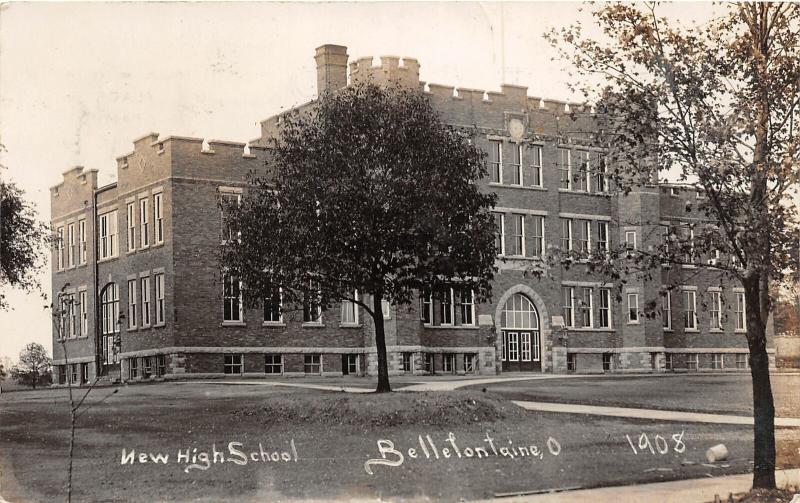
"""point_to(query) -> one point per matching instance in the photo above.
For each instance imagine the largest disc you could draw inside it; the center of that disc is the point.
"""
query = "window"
(689, 258)
(312, 310)
(601, 180)
(132, 318)
(693, 361)
(742, 361)
(386, 310)
(587, 308)
(108, 234)
(517, 235)
(565, 168)
(449, 363)
(147, 367)
(668, 361)
(446, 307)
(408, 362)
(109, 309)
(466, 307)
(159, 299)
(666, 311)
(430, 366)
(84, 310)
(145, 284)
(231, 299)
(717, 361)
(84, 373)
(630, 240)
(537, 239)
(515, 165)
(525, 346)
(82, 240)
(608, 361)
(715, 310)
(272, 307)
(144, 222)
(131, 227)
(233, 365)
(229, 200)
(349, 314)
(602, 236)
(469, 363)
(313, 364)
(582, 179)
(134, 368)
(426, 307)
(605, 308)
(567, 296)
(495, 161)
(60, 248)
(71, 245)
(74, 326)
(689, 310)
(666, 257)
(513, 346)
(584, 236)
(62, 374)
(633, 308)
(350, 364)
(73, 373)
(161, 365)
(536, 165)
(741, 321)
(500, 238)
(572, 362)
(159, 228)
(566, 234)
(273, 364)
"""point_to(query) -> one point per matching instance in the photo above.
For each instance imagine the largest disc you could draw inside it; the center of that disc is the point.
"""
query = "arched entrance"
(520, 335)
(110, 328)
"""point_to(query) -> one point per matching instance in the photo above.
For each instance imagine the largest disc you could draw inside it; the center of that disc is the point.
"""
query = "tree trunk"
(763, 406)
(380, 344)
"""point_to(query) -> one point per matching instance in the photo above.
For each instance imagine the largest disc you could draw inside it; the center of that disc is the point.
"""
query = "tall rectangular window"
(71, 245)
(144, 221)
(633, 308)
(74, 327)
(537, 237)
(515, 166)
(349, 314)
(426, 307)
(630, 240)
(565, 168)
(312, 309)
(466, 307)
(159, 222)
(568, 303)
(602, 236)
(536, 165)
(159, 278)
(715, 310)
(666, 311)
(741, 321)
(605, 308)
(513, 346)
(587, 308)
(601, 180)
(84, 308)
(82, 240)
(272, 307)
(582, 178)
(60, 248)
(500, 237)
(229, 200)
(231, 299)
(525, 346)
(689, 310)
(584, 236)
(132, 317)
(108, 234)
(566, 234)
(145, 284)
(517, 235)
(495, 161)
(131, 227)
(446, 307)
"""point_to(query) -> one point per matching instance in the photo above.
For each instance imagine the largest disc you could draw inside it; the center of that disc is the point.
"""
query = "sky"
(80, 81)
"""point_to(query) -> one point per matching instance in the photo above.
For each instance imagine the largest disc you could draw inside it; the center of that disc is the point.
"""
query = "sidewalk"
(680, 491)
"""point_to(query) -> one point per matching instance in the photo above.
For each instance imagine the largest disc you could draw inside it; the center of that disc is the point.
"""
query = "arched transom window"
(519, 312)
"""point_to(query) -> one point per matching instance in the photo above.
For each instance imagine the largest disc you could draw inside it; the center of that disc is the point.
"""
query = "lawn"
(316, 444)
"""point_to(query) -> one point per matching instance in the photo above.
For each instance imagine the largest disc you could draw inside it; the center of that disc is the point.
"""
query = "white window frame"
(144, 284)
(585, 227)
(498, 163)
(537, 236)
(602, 230)
(312, 363)
(463, 305)
(469, 363)
(502, 226)
(447, 308)
(601, 180)
(236, 318)
(71, 245)
(666, 311)
(690, 310)
(131, 227)
(517, 147)
(133, 289)
(693, 361)
(233, 365)
(352, 307)
(536, 164)
(715, 310)
(604, 305)
(160, 304)
(587, 308)
(519, 239)
(426, 307)
(279, 321)
(279, 365)
(144, 223)
(82, 240)
(108, 246)
(225, 194)
(569, 237)
(513, 346)
(633, 309)
(60, 248)
(159, 218)
(583, 171)
(313, 307)
(568, 168)
(569, 321)
(525, 346)
(630, 240)
(741, 312)
(84, 309)
(717, 361)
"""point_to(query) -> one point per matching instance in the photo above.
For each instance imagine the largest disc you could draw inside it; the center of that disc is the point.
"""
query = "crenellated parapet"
(392, 69)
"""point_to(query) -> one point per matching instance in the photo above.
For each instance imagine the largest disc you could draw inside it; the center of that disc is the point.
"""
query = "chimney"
(331, 67)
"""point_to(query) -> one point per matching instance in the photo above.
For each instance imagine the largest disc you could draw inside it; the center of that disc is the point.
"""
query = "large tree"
(715, 106)
(369, 192)
(34, 366)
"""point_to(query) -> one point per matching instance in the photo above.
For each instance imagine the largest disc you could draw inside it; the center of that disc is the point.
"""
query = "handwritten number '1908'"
(658, 444)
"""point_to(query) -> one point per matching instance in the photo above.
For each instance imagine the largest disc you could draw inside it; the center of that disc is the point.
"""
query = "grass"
(333, 434)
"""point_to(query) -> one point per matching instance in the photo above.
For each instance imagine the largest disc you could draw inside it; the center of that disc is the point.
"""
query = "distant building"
(139, 260)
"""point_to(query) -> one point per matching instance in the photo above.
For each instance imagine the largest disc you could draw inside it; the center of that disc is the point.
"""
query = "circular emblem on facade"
(516, 129)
